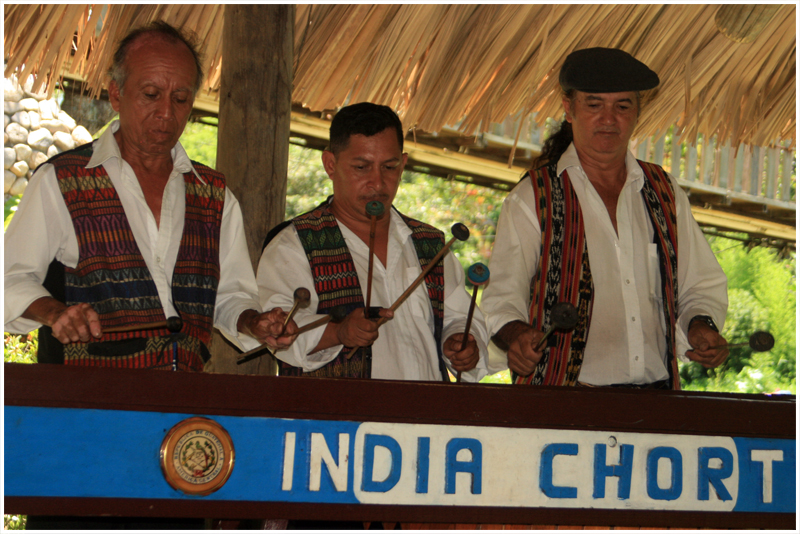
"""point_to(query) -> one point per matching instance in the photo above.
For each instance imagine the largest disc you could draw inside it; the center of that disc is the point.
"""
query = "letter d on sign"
(396, 454)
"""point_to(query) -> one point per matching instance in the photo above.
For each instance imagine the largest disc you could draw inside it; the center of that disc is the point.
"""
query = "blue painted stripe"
(109, 453)
(751, 475)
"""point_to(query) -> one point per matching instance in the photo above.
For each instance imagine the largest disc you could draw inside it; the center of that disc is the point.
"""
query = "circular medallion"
(197, 456)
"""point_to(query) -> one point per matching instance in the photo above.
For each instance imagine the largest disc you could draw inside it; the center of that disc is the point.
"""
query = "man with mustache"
(128, 231)
(326, 251)
(613, 236)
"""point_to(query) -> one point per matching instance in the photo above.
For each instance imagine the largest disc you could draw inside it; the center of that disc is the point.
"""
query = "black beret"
(605, 70)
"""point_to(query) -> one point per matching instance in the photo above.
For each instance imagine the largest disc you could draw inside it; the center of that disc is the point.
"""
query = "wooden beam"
(253, 137)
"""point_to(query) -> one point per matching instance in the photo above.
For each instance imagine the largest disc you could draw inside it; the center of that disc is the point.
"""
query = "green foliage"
(761, 296)
(200, 142)
(14, 522)
(9, 208)
(20, 348)
(308, 185)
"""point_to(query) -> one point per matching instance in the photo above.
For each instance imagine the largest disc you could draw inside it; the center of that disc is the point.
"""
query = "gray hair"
(119, 71)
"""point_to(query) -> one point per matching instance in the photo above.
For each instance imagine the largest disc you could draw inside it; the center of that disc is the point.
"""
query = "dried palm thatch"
(726, 70)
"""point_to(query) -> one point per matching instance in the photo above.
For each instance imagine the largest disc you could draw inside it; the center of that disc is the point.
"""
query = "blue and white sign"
(107, 453)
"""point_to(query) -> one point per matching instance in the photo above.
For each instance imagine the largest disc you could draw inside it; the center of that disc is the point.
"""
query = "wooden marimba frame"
(86, 441)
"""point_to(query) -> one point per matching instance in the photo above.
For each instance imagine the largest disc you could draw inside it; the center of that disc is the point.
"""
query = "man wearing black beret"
(613, 236)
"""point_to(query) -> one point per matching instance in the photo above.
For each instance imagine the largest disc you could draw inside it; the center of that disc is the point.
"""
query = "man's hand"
(358, 331)
(462, 360)
(77, 323)
(702, 338)
(520, 338)
(266, 328)
(70, 324)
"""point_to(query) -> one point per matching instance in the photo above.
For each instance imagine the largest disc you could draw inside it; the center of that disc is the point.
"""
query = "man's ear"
(567, 108)
(113, 95)
(329, 162)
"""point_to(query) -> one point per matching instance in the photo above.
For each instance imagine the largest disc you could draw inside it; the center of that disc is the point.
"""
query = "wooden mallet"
(375, 211)
(563, 316)
(461, 233)
(302, 298)
(173, 324)
(337, 315)
(478, 275)
(759, 342)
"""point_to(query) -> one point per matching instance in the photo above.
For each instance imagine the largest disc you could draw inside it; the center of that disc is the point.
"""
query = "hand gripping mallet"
(302, 298)
(375, 211)
(759, 342)
(337, 315)
(461, 233)
(173, 324)
(478, 275)
(563, 316)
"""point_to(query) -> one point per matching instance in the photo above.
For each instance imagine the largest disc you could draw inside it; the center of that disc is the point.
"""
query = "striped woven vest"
(336, 284)
(564, 272)
(112, 276)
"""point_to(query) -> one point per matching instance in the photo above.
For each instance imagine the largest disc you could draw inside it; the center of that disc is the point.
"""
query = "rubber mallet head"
(759, 342)
(460, 231)
(563, 316)
(375, 208)
(174, 324)
(478, 274)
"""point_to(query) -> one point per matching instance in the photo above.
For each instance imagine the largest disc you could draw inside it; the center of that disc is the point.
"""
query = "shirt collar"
(399, 226)
(569, 159)
(106, 149)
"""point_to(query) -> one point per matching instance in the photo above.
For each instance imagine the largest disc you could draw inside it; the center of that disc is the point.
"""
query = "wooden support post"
(253, 145)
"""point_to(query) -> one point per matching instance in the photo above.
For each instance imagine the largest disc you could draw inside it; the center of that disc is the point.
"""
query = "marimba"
(92, 441)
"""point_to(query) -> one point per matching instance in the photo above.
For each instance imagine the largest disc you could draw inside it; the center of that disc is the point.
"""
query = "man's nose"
(165, 109)
(375, 178)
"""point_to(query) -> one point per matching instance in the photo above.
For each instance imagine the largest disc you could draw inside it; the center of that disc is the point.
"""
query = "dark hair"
(119, 71)
(555, 146)
(558, 142)
(364, 118)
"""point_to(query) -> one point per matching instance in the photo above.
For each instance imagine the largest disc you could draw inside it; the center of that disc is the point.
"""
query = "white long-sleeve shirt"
(405, 348)
(626, 341)
(42, 230)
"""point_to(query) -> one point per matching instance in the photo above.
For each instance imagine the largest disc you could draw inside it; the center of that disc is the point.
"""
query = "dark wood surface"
(408, 402)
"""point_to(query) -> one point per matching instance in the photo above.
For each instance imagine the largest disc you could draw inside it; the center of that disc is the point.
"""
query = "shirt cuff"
(15, 307)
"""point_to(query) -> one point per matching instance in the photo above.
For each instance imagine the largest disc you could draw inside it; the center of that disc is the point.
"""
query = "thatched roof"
(471, 65)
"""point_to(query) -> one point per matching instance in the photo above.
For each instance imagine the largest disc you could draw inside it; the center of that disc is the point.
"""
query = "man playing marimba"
(612, 236)
(326, 250)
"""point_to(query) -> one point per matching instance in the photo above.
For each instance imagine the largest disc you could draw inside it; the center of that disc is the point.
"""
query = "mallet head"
(478, 274)
(460, 231)
(563, 315)
(338, 314)
(761, 341)
(302, 297)
(375, 208)
(174, 324)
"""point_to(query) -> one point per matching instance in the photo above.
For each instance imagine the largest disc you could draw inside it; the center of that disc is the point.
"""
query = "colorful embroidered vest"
(565, 275)
(112, 276)
(336, 284)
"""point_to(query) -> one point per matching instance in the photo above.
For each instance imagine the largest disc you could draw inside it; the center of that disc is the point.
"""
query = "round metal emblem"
(197, 456)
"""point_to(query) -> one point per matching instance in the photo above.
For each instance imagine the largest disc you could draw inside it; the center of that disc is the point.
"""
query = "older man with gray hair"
(127, 231)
